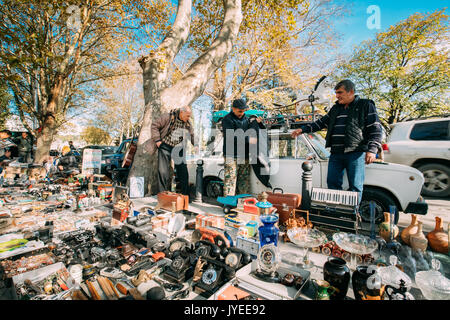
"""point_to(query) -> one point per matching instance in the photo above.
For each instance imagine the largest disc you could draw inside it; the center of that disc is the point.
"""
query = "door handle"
(221, 164)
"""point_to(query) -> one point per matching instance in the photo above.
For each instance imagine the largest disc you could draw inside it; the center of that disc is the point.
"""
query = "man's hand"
(158, 143)
(296, 133)
(258, 119)
(370, 157)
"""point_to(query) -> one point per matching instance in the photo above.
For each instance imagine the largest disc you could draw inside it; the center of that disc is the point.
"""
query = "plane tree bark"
(160, 97)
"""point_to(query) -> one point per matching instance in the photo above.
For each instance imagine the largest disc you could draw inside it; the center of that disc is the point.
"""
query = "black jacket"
(357, 137)
(363, 129)
(230, 121)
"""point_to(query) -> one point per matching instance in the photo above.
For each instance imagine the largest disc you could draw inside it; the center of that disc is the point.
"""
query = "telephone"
(205, 248)
(183, 264)
(176, 245)
(213, 275)
(236, 258)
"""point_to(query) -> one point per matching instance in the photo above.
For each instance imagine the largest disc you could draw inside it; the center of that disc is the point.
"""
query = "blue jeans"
(354, 163)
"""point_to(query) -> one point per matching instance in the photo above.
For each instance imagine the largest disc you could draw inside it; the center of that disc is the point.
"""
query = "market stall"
(87, 240)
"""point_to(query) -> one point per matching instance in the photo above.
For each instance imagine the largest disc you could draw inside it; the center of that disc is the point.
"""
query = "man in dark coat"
(25, 147)
(169, 137)
(236, 142)
(354, 135)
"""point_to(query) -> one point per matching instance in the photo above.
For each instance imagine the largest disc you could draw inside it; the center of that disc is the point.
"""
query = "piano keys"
(335, 209)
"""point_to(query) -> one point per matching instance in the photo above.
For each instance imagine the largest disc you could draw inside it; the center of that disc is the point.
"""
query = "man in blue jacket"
(354, 135)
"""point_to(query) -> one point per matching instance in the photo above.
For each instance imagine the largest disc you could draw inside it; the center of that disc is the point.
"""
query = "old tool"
(94, 294)
(128, 291)
(29, 284)
(104, 284)
(112, 287)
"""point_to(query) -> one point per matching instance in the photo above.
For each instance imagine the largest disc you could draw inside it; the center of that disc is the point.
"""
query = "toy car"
(231, 202)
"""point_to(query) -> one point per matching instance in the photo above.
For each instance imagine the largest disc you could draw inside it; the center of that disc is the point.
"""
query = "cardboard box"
(209, 220)
(233, 221)
(252, 227)
(160, 222)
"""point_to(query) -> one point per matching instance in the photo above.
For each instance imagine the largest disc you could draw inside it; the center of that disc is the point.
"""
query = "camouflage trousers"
(236, 175)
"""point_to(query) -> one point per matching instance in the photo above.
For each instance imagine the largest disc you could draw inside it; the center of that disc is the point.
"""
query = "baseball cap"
(240, 104)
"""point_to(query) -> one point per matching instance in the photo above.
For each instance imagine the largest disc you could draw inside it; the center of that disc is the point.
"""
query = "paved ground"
(437, 207)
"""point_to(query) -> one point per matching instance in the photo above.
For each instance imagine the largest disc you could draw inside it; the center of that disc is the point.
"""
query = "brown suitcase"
(291, 200)
(166, 198)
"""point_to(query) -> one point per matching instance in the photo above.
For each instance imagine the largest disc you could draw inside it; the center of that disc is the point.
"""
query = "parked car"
(106, 152)
(386, 183)
(114, 160)
(424, 145)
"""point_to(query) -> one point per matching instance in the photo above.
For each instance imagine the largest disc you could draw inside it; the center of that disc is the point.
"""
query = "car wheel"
(382, 201)
(437, 180)
(213, 188)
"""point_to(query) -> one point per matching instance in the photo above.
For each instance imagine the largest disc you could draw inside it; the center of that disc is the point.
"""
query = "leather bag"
(291, 200)
(166, 198)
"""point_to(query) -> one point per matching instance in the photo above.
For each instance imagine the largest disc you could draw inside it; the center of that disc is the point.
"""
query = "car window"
(282, 148)
(436, 130)
(302, 149)
(285, 147)
(318, 144)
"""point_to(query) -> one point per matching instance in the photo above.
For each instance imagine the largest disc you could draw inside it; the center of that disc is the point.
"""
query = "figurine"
(400, 293)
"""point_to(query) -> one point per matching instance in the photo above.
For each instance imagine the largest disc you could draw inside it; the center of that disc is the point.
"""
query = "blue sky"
(354, 27)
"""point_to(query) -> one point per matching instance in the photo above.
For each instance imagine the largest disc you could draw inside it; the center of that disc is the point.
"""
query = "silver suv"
(425, 145)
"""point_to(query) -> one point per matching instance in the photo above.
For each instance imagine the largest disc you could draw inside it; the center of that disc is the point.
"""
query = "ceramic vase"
(359, 285)
(418, 241)
(337, 274)
(268, 232)
(385, 228)
(409, 230)
(438, 239)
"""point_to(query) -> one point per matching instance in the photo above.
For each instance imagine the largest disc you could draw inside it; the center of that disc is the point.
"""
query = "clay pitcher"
(409, 230)
(437, 238)
(385, 228)
(418, 240)
(323, 290)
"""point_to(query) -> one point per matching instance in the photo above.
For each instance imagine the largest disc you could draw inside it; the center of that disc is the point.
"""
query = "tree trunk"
(159, 98)
(48, 127)
(44, 140)
(219, 90)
